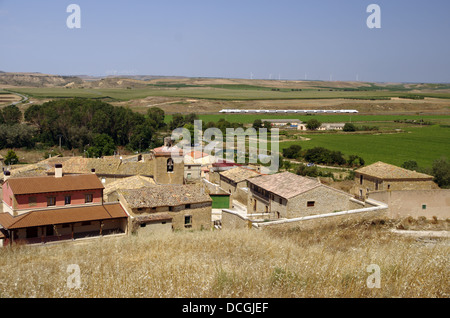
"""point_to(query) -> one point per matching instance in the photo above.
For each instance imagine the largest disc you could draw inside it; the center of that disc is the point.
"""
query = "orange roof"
(46, 184)
(197, 154)
(63, 215)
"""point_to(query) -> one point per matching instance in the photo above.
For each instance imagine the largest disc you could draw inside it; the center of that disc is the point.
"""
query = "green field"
(250, 118)
(215, 92)
(422, 144)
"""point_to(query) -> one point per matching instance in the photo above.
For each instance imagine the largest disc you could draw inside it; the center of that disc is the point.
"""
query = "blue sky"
(227, 38)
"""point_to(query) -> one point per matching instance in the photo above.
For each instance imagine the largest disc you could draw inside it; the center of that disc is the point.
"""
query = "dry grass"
(307, 261)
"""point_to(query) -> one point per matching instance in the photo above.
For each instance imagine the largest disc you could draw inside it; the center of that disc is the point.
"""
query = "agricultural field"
(218, 92)
(421, 144)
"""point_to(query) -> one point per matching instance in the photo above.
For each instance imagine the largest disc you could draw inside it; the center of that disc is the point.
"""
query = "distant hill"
(36, 79)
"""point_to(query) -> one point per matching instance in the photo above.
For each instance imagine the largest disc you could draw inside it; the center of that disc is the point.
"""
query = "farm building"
(287, 123)
(167, 207)
(331, 126)
(232, 179)
(63, 207)
(381, 176)
(287, 195)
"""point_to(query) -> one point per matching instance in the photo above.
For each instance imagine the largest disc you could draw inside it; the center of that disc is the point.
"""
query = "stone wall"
(370, 184)
(415, 203)
(322, 200)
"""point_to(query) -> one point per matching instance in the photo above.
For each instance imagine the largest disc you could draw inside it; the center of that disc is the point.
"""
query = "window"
(88, 198)
(188, 221)
(32, 201)
(187, 206)
(360, 179)
(67, 199)
(170, 165)
(51, 201)
(424, 206)
(376, 185)
(310, 203)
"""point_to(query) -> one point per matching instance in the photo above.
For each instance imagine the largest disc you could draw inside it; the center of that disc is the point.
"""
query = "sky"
(283, 39)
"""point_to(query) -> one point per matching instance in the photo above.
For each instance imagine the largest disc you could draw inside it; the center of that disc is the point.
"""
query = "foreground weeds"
(311, 260)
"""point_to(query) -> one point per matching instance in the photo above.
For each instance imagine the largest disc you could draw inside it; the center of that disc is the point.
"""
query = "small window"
(51, 201)
(310, 203)
(143, 224)
(170, 165)
(188, 221)
(187, 206)
(360, 179)
(88, 198)
(424, 206)
(32, 201)
(67, 199)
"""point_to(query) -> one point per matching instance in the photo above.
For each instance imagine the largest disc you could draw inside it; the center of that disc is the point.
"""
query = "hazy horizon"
(288, 40)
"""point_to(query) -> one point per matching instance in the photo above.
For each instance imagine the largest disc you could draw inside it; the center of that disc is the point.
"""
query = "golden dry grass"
(329, 260)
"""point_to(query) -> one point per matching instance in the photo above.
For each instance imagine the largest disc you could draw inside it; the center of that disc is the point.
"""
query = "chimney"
(168, 142)
(58, 170)
(6, 175)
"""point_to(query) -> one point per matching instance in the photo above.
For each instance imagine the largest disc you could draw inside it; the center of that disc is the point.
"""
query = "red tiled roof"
(63, 215)
(46, 184)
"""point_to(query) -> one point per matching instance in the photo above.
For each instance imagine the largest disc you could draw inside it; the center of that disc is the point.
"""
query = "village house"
(331, 126)
(287, 123)
(232, 179)
(287, 195)
(381, 176)
(63, 207)
(167, 207)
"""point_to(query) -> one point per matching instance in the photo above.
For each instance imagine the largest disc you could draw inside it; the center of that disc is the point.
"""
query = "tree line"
(90, 125)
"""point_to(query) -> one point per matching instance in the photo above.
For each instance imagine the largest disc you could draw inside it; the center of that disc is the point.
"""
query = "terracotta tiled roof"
(387, 171)
(167, 151)
(134, 182)
(239, 174)
(165, 195)
(63, 215)
(51, 184)
(285, 184)
(106, 166)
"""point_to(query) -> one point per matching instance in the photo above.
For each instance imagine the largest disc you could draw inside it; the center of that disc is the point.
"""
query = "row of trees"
(93, 125)
(440, 169)
(320, 155)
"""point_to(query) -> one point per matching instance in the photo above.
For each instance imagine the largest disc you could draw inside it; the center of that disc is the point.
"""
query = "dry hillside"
(329, 260)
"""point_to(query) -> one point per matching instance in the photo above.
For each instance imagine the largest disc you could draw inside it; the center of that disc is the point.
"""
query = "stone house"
(287, 195)
(167, 207)
(381, 176)
(232, 179)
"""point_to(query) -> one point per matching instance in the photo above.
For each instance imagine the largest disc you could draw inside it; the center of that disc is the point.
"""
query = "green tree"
(292, 152)
(313, 124)
(12, 115)
(441, 172)
(11, 158)
(410, 165)
(304, 170)
(349, 127)
(157, 115)
(257, 124)
(103, 145)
